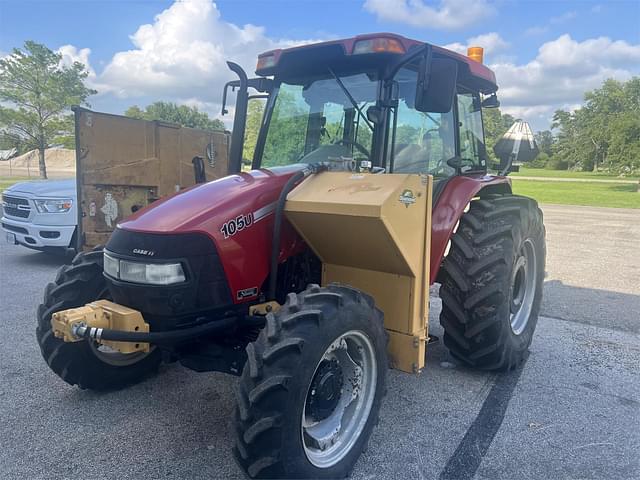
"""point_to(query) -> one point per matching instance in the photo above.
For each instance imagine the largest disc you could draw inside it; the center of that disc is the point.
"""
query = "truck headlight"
(139, 272)
(58, 205)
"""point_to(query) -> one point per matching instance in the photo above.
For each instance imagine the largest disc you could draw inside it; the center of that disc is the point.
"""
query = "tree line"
(603, 135)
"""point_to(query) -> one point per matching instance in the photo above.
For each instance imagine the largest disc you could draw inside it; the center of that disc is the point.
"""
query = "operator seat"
(414, 158)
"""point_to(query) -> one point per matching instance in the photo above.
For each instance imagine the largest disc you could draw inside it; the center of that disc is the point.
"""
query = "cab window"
(424, 141)
(471, 136)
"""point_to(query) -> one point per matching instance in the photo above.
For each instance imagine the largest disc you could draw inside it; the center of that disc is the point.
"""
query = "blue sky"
(546, 54)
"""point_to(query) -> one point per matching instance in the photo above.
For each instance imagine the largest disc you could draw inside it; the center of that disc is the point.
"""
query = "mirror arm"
(408, 58)
(505, 170)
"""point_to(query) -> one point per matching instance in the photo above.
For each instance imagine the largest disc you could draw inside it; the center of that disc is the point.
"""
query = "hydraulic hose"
(82, 331)
(277, 223)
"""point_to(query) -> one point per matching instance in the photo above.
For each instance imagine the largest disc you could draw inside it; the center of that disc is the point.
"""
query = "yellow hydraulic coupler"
(69, 325)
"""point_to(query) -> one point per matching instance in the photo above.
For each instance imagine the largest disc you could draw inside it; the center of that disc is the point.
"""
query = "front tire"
(491, 282)
(85, 363)
(311, 390)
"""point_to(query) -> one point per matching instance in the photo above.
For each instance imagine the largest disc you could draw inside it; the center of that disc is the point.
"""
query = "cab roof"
(304, 59)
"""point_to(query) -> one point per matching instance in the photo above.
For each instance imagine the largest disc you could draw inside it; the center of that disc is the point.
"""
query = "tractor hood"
(234, 213)
(206, 207)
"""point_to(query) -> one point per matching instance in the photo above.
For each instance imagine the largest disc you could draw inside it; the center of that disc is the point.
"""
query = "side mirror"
(491, 101)
(436, 85)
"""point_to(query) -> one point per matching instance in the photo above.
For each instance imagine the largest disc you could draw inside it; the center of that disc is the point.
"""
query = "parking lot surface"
(572, 412)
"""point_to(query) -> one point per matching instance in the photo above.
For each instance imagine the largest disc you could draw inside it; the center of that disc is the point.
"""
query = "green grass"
(6, 182)
(580, 193)
(544, 173)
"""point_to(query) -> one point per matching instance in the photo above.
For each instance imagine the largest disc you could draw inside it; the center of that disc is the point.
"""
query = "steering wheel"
(358, 146)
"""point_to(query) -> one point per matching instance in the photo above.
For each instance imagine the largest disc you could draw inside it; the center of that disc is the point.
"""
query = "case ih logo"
(139, 251)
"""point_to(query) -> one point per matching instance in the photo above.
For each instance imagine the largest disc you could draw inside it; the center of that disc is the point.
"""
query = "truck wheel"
(310, 393)
(86, 363)
(492, 282)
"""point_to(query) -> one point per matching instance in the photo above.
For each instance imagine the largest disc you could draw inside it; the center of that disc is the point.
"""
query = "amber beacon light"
(475, 53)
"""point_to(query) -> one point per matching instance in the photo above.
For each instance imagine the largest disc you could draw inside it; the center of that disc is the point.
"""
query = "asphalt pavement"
(572, 412)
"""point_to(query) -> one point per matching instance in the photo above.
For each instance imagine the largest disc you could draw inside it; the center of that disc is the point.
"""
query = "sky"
(546, 54)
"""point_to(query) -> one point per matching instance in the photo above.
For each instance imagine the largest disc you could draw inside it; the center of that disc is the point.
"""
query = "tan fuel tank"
(373, 232)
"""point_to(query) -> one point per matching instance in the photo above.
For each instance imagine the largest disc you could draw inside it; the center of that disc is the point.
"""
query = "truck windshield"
(317, 122)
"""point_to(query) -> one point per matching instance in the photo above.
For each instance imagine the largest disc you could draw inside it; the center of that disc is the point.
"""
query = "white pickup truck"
(41, 214)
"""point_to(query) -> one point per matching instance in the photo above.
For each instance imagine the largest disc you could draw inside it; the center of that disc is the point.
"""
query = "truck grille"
(15, 206)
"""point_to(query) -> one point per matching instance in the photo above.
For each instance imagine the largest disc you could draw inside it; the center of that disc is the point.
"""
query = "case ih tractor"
(309, 275)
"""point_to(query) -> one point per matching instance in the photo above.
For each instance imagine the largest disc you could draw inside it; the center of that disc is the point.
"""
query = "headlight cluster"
(138, 272)
(58, 205)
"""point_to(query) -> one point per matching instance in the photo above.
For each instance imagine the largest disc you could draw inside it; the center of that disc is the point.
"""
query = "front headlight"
(148, 273)
(58, 205)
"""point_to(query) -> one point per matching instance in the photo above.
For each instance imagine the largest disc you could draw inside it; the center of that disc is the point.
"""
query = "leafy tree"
(544, 140)
(39, 89)
(602, 134)
(496, 125)
(174, 113)
(254, 119)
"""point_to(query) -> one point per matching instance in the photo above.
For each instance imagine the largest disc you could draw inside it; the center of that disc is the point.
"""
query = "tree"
(544, 140)
(174, 113)
(603, 133)
(39, 90)
(496, 125)
(254, 119)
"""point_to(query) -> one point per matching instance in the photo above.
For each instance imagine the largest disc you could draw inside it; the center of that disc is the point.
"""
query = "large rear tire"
(85, 363)
(310, 393)
(491, 282)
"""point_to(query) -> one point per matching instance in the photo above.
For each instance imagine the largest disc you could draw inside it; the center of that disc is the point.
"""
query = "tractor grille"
(15, 206)
(167, 307)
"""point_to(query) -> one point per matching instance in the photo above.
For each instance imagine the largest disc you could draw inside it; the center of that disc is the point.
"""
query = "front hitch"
(124, 329)
(92, 320)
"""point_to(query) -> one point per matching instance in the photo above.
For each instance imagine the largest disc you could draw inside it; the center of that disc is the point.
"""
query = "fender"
(450, 206)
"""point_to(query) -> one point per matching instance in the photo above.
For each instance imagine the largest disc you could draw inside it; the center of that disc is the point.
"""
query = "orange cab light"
(378, 45)
(475, 53)
(266, 61)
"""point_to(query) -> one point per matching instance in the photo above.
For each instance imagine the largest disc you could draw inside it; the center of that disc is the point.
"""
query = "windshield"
(318, 122)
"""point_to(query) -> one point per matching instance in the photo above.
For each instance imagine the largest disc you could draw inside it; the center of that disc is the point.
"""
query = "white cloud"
(71, 54)
(491, 42)
(446, 15)
(561, 73)
(182, 55)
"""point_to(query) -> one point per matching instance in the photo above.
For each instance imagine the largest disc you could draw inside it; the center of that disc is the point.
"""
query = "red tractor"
(309, 275)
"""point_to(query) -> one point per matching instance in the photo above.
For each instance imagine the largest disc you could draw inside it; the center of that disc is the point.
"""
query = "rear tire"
(81, 363)
(491, 282)
(285, 395)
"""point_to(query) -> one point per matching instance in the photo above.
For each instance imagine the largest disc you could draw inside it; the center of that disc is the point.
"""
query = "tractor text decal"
(235, 225)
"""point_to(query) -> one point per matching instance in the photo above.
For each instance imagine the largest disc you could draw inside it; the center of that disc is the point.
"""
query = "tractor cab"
(380, 103)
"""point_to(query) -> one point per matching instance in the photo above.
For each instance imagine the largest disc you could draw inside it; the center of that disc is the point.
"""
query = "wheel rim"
(110, 356)
(523, 287)
(115, 358)
(339, 399)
